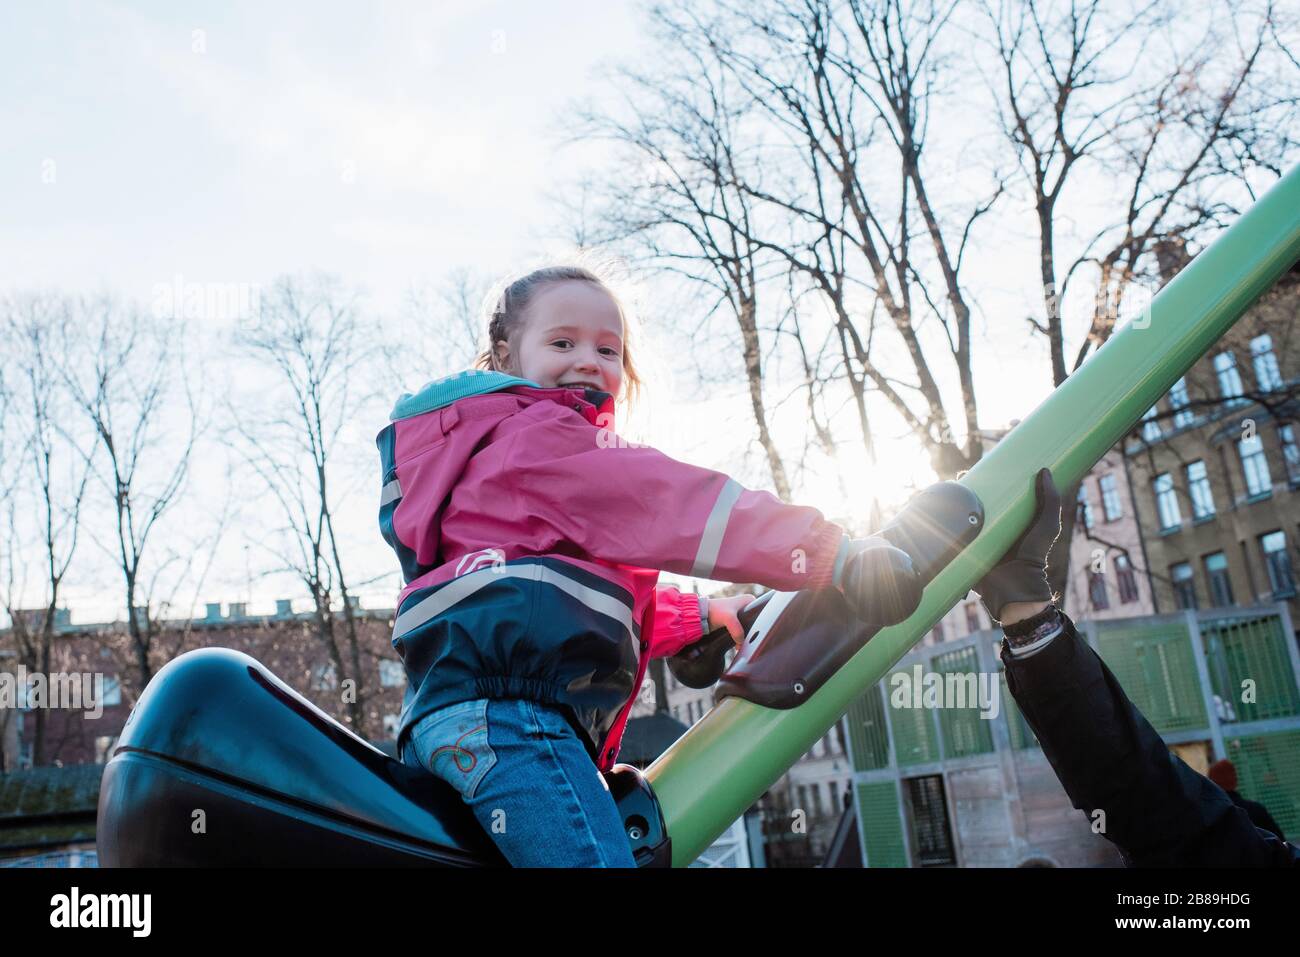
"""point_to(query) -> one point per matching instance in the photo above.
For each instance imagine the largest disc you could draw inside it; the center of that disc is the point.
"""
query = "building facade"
(1215, 468)
(288, 643)
(1108, 573)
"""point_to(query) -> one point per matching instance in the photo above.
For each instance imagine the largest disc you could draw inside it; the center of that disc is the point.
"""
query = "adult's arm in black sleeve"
(1158, 811)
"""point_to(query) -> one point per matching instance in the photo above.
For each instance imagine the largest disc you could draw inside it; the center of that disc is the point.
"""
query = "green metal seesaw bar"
(714, 772)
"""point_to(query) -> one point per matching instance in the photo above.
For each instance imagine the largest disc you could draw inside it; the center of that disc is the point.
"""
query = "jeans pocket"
(452, 744)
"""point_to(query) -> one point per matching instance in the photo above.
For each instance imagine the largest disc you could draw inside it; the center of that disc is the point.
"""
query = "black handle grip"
(701, 663)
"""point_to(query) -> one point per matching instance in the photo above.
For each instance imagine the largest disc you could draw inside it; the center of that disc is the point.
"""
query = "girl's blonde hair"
(507, 303)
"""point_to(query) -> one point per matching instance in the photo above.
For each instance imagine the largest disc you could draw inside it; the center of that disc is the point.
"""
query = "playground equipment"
(276, 781)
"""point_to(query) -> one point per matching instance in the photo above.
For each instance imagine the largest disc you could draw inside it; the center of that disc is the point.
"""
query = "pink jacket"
(493, 484)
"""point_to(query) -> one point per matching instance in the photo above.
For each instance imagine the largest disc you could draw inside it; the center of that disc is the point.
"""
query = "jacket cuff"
(829, 541)
(1037, 644)
(1040, 677)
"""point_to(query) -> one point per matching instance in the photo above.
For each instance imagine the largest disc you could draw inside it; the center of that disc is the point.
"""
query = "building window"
(1179, 402)
(1111, 506)
(1255, 466)
(1216, 570)
(1097, 590)
(392, 674)
(1225, 367)
(835, 796)
(1166, 502)
(1267, 373)
(1085, 507)
(1184, 585)
(1198, 483)
(1150, 427)
(936, 633)
(1290, 452)
(391, 722)
(972, 618)
(112, 691)
(1128, 589)
(931, 833)
(1278, 561)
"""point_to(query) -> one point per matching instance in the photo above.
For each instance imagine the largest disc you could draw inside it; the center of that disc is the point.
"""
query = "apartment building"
(1215, 468)
(1108, 573)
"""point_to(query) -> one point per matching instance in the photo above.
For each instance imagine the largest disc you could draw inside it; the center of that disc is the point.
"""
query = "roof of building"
(649, 736)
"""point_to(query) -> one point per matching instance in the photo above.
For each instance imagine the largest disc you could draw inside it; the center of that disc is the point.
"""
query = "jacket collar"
(461, 385)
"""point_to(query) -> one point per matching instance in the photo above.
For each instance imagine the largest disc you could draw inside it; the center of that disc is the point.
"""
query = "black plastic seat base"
(222, 764)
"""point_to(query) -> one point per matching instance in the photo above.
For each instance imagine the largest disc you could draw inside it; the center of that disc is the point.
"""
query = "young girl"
(530, 539)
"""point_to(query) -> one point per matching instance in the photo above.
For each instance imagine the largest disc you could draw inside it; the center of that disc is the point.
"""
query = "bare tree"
(1166, 123)
(126, 374)
(308, 336)
(801, 132)
(43, 486)
(445, 324)
(686, 214)
(833, 185)
(8, 484)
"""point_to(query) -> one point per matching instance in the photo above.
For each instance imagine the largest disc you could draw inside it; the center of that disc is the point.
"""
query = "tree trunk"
(754, 376)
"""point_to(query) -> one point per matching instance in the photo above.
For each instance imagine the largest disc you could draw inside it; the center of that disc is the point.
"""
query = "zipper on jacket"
(641, 669)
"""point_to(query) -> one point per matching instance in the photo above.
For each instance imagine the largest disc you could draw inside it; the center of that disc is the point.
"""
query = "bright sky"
(389, 143)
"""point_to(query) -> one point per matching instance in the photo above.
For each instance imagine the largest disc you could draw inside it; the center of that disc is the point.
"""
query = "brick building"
(1215, 468)
(286, 642)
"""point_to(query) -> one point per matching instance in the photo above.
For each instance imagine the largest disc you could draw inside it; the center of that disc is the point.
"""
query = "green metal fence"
(915, 740)
(882, 829)
(1268, 771)
(1018, 731)
(1157, 667)
(1249, 669)
(961, 729)
(868, 733)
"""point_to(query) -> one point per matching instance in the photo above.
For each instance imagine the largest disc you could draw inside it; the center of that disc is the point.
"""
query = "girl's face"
(571, 334)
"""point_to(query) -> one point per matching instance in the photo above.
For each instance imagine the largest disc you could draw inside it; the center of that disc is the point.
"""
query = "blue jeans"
(522, 770)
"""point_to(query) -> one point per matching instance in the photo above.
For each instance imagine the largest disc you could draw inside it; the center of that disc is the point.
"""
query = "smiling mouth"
(584, 385)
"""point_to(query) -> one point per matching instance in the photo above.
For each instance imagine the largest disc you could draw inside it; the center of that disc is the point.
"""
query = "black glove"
(880, 582)
(1021, 575)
